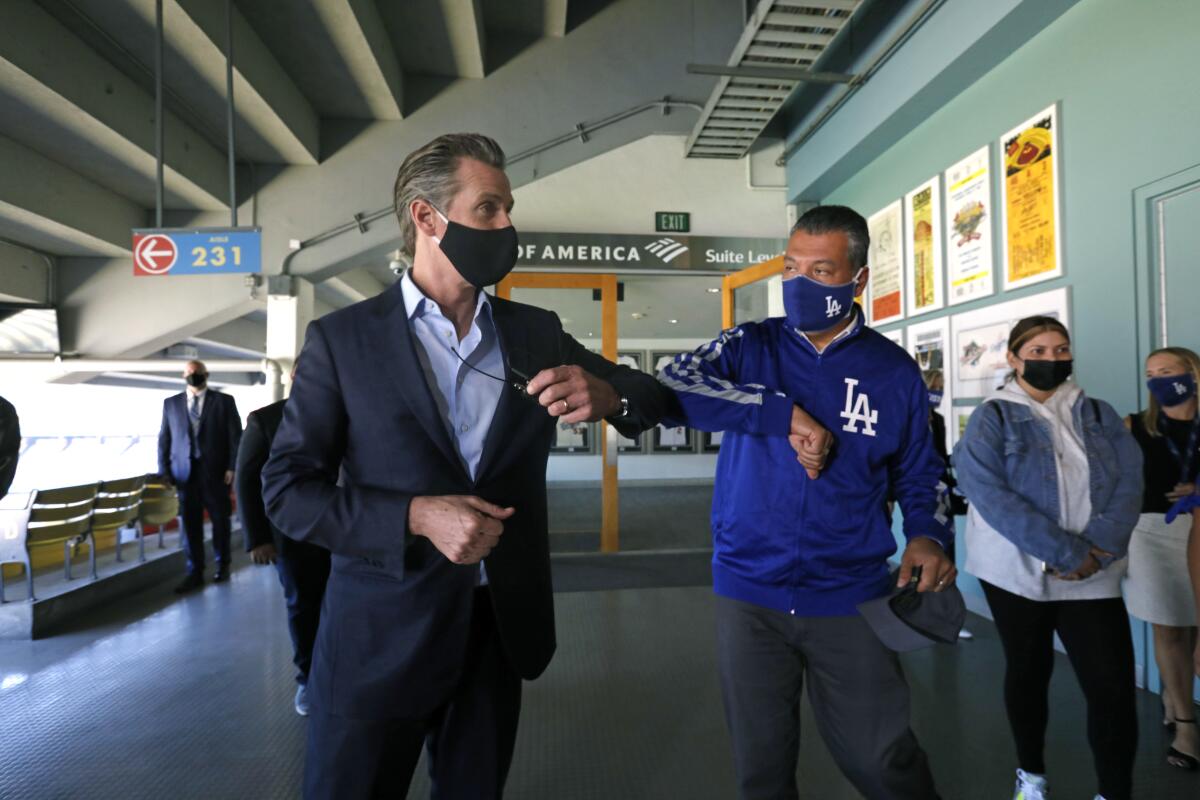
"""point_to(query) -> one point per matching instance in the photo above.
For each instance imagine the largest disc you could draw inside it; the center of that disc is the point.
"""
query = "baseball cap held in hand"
(909, 620)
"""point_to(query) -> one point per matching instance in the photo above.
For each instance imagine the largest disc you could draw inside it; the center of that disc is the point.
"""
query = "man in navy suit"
(197, 451)
(303, 567)
(412, 448)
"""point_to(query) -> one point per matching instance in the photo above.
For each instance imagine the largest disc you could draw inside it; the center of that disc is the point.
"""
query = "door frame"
(1152, 294)
(744, 277)
(607, 284)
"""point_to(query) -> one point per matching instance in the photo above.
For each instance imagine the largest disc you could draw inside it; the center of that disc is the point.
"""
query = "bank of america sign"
(627, 251)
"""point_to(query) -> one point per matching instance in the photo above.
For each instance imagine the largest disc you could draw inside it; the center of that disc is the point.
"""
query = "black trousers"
(198, 494)
(470, 739)
(1100, 648)
(858, 693)
(303, 571)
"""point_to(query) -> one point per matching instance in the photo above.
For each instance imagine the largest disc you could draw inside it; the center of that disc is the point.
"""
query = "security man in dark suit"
(413, 448)
(303, 567)
(197, 449)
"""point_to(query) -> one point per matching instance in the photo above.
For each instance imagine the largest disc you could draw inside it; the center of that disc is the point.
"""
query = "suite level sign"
(631, 251)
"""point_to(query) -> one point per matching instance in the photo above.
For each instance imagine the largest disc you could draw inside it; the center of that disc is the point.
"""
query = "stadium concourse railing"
(100, 515)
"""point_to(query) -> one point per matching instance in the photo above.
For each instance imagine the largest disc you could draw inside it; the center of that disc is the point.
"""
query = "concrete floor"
(161, 697)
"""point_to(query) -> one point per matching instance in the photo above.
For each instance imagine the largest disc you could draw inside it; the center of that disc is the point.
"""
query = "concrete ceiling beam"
(464, 22)
(265, 97)
(48, 207)
(246, 335)
(25, 275)
(527, 17)
(64, 99)
(438, 37)
(362, 42)
(95, 293)
(350, 287)
(556, 17)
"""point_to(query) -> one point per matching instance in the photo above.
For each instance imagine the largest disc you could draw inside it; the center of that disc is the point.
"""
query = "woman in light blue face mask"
(1158, 588)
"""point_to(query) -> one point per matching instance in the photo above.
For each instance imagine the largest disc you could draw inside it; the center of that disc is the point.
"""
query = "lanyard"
(1184, 459)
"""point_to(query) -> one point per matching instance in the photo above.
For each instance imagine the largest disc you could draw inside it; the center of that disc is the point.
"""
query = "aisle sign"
(196, 251)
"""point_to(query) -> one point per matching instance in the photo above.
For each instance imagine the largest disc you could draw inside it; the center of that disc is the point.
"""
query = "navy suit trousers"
(303, 571)
(199, 494)
(470, 737)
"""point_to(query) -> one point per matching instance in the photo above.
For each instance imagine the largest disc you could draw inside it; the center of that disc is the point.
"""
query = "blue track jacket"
(781, 540)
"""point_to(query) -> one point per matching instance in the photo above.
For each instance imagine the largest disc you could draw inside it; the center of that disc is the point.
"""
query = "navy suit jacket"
(220, 429)
(10, 444)
(252, 455)
(361, 437)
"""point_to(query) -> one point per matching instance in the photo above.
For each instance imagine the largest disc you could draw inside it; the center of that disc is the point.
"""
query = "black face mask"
(1047, 375)
(196, 379)
(483, 256)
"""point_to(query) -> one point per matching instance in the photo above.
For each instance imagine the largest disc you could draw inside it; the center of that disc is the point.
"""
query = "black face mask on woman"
(1047, 375)
(483, 256)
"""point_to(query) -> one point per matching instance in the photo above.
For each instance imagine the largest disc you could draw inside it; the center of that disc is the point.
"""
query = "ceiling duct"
(782, 42)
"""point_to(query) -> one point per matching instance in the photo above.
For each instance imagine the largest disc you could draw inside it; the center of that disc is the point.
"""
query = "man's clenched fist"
(462, 527)
(810, 441)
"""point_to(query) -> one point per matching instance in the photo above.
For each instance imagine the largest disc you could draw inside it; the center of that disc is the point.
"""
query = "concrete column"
(290, 307)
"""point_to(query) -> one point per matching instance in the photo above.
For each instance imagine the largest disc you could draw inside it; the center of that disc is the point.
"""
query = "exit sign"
(672, 222)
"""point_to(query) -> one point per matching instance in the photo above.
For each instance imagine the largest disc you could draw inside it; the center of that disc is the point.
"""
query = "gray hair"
(429, 173)
(838, 219)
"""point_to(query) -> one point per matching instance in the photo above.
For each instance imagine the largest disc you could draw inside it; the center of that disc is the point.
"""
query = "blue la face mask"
(1171, 390)
(812, 306)
(935, 398)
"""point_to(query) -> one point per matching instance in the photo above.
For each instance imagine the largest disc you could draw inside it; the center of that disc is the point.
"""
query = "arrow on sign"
(153, 255)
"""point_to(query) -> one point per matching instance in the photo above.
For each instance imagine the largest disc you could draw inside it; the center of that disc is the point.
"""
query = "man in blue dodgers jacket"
(408, 453)
(793, 556)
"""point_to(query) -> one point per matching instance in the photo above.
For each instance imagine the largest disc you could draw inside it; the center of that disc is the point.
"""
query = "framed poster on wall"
(980, 339)
(923, 248)
(928, 344)
(956, 424)
(634, 359)
(675, 439)
(575, 438)
(710, 442)
(886, 299)
(1030, 199)
(969, 273)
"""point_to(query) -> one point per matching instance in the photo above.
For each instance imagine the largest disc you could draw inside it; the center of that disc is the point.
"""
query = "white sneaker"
(1031, 787)
(965, 634)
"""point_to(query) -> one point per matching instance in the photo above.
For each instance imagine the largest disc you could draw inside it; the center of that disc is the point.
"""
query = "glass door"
(607, 286)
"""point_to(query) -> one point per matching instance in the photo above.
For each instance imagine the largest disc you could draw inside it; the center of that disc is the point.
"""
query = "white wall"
(619, 191)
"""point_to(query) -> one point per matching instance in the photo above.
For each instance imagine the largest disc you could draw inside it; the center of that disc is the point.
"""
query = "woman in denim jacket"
(1055, 485)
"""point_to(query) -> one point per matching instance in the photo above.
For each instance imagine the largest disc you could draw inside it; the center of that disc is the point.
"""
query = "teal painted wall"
(1124, 74)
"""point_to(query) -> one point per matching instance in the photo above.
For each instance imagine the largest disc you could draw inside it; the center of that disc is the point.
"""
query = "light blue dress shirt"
(465, 398)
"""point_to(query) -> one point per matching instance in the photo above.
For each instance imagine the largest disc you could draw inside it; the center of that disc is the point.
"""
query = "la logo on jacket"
(858, 411)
